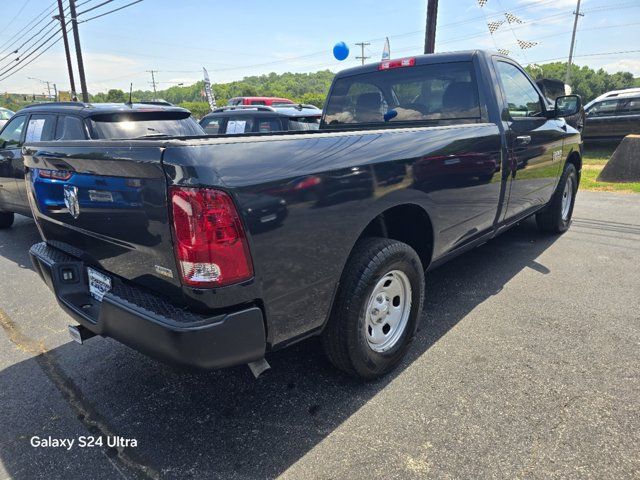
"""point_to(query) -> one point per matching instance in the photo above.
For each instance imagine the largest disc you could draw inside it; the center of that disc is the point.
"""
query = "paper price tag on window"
(34, 130)
(236, 126)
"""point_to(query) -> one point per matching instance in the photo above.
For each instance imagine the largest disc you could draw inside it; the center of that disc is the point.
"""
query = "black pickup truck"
(213, 251)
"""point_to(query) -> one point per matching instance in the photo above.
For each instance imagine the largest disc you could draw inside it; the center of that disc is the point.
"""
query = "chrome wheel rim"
(388, 311)
(567, 196)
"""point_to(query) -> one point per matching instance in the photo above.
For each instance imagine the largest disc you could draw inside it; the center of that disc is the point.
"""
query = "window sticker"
(34, 130)
(236, 126)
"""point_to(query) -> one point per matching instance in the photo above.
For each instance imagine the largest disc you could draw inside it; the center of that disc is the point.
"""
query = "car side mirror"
(567, 105)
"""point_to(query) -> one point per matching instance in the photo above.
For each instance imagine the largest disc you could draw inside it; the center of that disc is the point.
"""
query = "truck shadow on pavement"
(221, 424)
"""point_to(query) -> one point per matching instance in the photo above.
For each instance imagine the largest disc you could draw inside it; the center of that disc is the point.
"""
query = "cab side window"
(12, 134)
(522, 97)
(70, 128)
(41, 128)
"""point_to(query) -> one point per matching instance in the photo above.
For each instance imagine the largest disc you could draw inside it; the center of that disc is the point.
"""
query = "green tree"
(115, 96)
(585, 81)
(197, 109)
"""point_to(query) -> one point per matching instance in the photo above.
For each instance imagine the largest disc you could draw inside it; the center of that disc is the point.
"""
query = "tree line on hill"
(312, 88)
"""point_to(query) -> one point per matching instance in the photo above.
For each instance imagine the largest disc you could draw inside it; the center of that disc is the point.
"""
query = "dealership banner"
(207, 89)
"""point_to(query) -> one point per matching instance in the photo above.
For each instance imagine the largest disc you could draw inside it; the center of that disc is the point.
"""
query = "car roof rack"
(58, 104)
(263, 108)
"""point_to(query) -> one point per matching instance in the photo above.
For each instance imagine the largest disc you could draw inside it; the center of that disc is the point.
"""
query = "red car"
(268, 101)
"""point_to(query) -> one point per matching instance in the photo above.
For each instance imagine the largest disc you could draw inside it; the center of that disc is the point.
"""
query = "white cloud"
(632, 66)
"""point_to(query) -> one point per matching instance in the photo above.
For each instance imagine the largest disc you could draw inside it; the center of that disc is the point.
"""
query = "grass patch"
(593, 162)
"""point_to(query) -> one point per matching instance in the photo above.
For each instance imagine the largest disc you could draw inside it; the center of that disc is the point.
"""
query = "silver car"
(5, 115)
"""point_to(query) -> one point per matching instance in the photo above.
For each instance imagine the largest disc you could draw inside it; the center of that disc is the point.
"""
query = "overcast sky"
(238, 38)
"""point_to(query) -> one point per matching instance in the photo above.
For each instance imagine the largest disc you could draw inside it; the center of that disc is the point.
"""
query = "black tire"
(344, 339)
(6, 219)
(551, 219)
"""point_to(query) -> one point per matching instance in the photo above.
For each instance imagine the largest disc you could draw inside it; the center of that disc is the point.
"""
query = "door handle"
(523, 140)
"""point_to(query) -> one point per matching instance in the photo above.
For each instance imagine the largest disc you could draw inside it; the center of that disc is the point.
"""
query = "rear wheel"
(556, 217)
(6, 219)
(377, 308)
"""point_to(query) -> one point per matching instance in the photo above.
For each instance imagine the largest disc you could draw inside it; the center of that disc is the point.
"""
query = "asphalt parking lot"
(527, 365)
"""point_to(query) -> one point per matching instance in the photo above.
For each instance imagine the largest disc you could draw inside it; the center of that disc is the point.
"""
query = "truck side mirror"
(567, 105)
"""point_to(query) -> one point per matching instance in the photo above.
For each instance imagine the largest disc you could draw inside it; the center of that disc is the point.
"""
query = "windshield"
(129, 126)
(445, 91)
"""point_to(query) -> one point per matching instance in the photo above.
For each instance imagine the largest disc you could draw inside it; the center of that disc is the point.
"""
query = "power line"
(94, 8)
(32, 60)
(623, 52)
(110, 11)
(22, 59)
(24, 5)
(8, 43)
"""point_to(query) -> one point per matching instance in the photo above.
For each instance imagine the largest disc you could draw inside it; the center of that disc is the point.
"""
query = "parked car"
(5, 115)
(208, 287)
(62, 121)
(268, 101)
(613, 93)
(261, 119)
(613, 117)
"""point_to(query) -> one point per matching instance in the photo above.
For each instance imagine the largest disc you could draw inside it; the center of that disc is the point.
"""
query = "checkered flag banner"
(511, 18)
(525, 45)
(482, 3)
(503, 51)
(493, 26)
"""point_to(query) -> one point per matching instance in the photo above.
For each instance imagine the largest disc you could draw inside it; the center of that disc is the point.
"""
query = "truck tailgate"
(106, 204)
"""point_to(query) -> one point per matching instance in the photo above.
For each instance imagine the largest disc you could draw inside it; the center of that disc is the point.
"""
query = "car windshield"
(5, 114)
(128, 126)
(445, 91)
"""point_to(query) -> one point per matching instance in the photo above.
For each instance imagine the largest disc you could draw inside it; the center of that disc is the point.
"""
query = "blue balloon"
(340, 51)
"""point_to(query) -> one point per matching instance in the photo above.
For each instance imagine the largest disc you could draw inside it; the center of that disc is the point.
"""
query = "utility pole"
(48, 85)
(76, 39)
(55, 92)
(573, 42)
(63, 24)
(430, 29)
(362, 45)
(153, 82)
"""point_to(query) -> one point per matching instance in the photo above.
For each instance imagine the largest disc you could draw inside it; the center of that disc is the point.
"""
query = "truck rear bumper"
(148, 323)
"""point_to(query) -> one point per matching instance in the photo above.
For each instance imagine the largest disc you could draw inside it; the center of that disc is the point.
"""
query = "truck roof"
(89, 109)
(461, 56)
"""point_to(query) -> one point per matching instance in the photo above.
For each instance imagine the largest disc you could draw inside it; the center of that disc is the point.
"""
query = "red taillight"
(399, 63)
(210, 244)
(55, 174)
